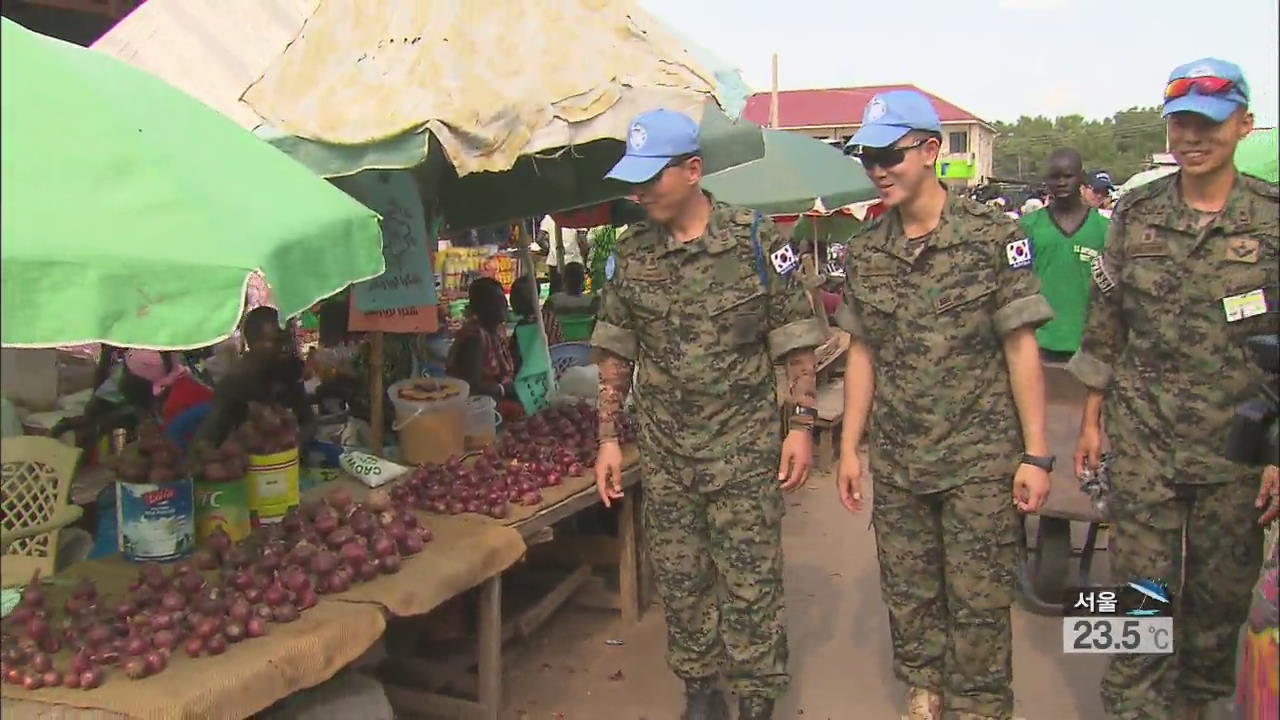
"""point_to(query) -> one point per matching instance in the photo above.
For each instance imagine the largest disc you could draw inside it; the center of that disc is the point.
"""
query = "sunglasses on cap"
(1182, 87)
(885, 157)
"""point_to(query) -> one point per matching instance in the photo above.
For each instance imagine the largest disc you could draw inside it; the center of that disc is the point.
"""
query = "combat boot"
(923, 704)
(755, 708)
(704, 701)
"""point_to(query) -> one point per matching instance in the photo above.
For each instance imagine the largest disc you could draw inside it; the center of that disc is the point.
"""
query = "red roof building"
(833, 114)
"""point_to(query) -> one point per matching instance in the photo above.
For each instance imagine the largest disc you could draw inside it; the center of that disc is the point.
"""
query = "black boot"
(704, 701)
(755, 708)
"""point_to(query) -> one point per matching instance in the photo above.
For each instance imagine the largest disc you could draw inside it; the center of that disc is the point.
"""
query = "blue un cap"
(1209, 86)
(653, 140)
(892, 114)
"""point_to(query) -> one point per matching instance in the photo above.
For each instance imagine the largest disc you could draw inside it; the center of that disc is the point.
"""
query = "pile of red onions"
(535, 453)
(225, 594)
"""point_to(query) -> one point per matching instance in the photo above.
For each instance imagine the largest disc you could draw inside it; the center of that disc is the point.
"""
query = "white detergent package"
(371, 470)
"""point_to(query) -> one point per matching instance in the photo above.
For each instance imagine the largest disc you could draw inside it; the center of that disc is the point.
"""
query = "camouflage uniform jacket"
(704, 329)
(1158, 334)
(934, 312)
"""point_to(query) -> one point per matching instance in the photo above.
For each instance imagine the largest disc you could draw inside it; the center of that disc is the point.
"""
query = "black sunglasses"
(884, 157)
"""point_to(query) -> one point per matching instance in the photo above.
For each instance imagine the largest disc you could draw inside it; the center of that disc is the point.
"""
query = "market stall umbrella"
(133, 214)
(1146, 176)
(797, 174)
(1259, 155)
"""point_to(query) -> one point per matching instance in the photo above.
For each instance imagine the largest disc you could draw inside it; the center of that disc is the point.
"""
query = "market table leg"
(489, 646)
(628, 573)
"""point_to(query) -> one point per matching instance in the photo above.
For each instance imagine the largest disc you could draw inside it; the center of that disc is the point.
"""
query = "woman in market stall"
(524, 293)
(269, 372)
(481, 354)
(172, 392)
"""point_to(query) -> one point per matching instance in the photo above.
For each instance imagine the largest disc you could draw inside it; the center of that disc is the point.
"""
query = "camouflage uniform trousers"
(1223, 552)
(714, 530)
(947, 572)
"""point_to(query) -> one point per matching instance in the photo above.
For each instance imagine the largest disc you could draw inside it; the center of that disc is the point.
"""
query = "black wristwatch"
(1044, 462)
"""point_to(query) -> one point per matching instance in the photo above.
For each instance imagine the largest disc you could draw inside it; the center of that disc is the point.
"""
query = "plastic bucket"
(271, 485)
(155, 521)
(430, 431)
(222, 505)
(483, 420)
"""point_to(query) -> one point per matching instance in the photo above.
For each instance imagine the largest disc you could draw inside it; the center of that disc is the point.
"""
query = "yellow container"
(272, 485)
(430, 431)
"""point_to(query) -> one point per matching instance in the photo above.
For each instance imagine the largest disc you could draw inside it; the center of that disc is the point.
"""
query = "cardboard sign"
(408, 281)
(421, 319)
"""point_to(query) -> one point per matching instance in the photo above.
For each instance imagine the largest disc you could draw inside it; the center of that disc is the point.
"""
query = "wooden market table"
(577, 495)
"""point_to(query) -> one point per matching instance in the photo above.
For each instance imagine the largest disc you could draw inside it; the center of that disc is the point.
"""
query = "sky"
(996, 58)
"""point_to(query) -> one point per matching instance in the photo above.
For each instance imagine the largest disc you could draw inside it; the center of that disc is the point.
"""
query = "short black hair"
(257, 319)
(575, 278)
(1069, 154)
(487, 301)
(523, 292)
(333, 321)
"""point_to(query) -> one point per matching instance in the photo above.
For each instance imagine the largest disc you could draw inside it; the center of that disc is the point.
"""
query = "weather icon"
(1150, 590)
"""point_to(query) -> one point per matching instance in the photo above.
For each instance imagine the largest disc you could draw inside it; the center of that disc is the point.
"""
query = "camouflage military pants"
(947, 572)
(1223, 552)
(715, 533)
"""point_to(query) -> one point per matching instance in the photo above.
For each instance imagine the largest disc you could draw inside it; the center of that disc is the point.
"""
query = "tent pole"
(375, 392)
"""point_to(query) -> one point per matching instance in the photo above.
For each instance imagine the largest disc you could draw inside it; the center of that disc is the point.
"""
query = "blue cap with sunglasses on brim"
(653, 140)
(1210, 87)
(892, 114)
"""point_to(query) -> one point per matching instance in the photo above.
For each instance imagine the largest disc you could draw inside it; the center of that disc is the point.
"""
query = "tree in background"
(1121, 144)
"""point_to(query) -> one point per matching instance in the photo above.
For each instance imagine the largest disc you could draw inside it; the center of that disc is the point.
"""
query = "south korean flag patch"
(1018, 253)
(784, 259)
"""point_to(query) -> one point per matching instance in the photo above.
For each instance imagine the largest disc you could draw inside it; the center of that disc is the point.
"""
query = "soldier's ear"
(694, 165)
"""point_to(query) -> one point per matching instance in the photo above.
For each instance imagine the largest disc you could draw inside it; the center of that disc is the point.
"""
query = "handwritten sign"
(420, 319)
(408, 281)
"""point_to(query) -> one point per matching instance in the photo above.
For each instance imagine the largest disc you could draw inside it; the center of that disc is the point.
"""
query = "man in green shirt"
(1065, 238)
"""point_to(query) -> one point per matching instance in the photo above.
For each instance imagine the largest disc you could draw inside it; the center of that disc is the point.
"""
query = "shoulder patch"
(1101, 277)
(610, 266)
(1018, 253)
(784, 259)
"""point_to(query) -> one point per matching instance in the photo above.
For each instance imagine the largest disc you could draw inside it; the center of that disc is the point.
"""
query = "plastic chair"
(576, 327)
(569, 354)
(35, 480)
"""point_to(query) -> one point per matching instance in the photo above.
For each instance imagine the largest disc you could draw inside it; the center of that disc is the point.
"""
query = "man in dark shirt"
(268, 372)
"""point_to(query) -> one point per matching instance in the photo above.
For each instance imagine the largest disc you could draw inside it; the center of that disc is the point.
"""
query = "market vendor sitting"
(178, 398)
(571, 300)
(524, 293)
(268, 372)
(480, 354)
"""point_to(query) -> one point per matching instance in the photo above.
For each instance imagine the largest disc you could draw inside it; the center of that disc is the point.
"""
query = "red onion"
(190, 583)
(207, 628)
(14, 676)
(262, 611)
(325, 522)
(296, 580)
(85, 590)
(51, 678)
(92, 678)
(498, 509)
(302, 553)
(215, 645)
(81, 661)
(106, 657)
(383, 546)
(306, 599)
(276, 595)
(21, 615)
(339, 499)
(242, 580)
(253, 595)
(32, 595)
(135, 668)
(211, 601)
(336, 583)
(71, 681)
(377, 501)
(156, 662)
(41, 662)
(239, 558)
(193, 646)
(135, 645)
(269, 562)
(240, 610)
(234, 632)
(368, 570)
(412, 545)
(32, 681)
(324, 563)
(285, 614)
(255, 627)
(161, 621)
(340, 537)
(172, 601)
(205, 559)
(125, 609)
(389, 564)
(164, 640)
(353, 554)
(396, 531)
(37, 628)
(143, 596)
(292, 521)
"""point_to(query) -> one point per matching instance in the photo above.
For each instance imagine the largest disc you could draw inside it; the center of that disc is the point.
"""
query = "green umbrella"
(133, 214)
(796, 174)
(1259, 155)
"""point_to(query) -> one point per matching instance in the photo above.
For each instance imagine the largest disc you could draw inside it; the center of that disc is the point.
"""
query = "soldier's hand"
(849, 481)
(1030, 488)
(1088, 449)
(797, 456)
(1268, 498)
(609, 472)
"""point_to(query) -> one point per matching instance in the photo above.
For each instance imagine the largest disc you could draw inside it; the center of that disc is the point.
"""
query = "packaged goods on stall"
(270, 434)
(429, 418)
(228, 593)
(221, 495)
(457, 267)
(155, 504)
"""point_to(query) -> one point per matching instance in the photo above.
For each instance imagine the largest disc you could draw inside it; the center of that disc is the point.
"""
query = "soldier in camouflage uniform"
(1188, 273)
(701, 301)
(942, 305)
